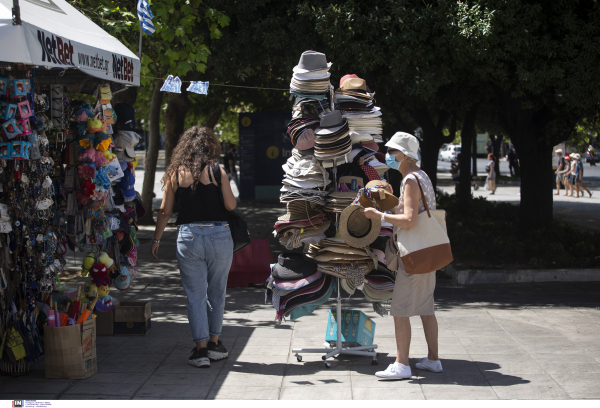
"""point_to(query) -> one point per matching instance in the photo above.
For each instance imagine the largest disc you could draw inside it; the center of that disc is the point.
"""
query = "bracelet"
(382, 217)
(156, 241)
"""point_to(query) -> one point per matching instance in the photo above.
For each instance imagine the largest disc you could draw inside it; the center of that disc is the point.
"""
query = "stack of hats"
(378, 284)
(301, 224)
(311, 76)
(296, 283)
(353, 95)
(346, 192)
(332, 137)
(304, 173)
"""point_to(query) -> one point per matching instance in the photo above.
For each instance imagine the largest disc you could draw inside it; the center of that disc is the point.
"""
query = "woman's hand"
(154, 249)
(371, 213)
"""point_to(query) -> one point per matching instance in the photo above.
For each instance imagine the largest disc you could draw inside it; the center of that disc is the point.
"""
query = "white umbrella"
(54, 34)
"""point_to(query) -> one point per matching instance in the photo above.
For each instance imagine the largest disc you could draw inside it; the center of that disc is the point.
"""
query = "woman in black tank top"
(204, 243)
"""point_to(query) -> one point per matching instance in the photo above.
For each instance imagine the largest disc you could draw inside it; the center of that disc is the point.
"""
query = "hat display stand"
(339, 349)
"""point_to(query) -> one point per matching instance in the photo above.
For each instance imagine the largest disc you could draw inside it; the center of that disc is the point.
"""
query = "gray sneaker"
(199, 358)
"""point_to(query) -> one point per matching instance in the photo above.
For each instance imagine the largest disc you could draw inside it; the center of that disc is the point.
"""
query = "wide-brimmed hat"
(357, 230)
(406, 143)
(376, 295)
(386, 200)
(331, 122)
(293, 266)
(355, 85)
(312, 61)
(347, 76)
(299, 210)
(306, 140)
(296, 283)
(360, 137)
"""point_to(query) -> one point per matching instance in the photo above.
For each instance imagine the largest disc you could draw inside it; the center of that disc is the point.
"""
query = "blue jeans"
(204, 254)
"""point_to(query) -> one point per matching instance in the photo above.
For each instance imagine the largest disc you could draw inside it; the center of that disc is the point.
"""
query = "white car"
(449, 153)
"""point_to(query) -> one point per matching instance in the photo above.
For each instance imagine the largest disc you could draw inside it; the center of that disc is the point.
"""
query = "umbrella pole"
(140, 46)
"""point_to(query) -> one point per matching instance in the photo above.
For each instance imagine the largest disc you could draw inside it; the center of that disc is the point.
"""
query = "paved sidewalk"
(537, 341)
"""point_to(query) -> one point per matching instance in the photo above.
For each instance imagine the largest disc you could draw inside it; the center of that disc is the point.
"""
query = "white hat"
(357, 137)
(575, 156)
(406, 143)
(558, 150)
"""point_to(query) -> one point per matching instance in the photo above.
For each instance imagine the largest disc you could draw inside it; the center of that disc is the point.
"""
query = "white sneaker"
(395, 371)
(427, 364)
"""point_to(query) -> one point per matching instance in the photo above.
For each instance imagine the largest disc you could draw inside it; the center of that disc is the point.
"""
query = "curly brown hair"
(197, 148)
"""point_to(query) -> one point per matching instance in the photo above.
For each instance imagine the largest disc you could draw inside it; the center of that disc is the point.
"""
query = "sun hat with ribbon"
(377, 190)
(406, 143)
(293, 266)
(357, 230)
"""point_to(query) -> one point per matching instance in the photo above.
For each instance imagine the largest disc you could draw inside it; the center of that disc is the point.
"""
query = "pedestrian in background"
(566, 176)
(592, 154)
(513, 163)
(229, 161)
(204, 243)
(579, 175)
(559, 175)
(490, 168)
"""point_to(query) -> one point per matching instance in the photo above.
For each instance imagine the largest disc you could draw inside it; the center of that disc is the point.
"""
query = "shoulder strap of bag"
(423, 197)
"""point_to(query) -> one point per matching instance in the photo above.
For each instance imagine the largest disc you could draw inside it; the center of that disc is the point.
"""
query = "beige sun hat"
(406, 143)
(357, 230)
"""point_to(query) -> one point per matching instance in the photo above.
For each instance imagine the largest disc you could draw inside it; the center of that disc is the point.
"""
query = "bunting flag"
(145, 16)
(172, 85)
(198, 87)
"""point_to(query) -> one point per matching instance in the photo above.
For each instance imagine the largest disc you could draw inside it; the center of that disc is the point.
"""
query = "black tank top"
(199, 205)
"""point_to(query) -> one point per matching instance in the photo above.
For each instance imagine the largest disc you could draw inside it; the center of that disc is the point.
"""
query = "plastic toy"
(18, 87)
(5, 150)
(24, 109)
(24, 126)
(11, 129)
(3, 86)
(90, 290)
(20, 150)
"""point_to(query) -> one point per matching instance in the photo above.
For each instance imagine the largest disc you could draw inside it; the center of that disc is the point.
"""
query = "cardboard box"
(105, 323)
(357, 328)
(70, 351)
(133, 318)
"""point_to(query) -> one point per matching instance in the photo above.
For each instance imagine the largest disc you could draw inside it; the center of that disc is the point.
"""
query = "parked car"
(449, 153)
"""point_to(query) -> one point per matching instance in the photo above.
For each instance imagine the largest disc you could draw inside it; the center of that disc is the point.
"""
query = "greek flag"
(145, 16)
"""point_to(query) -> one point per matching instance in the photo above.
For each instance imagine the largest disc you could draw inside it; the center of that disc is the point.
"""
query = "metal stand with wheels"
(328, 352)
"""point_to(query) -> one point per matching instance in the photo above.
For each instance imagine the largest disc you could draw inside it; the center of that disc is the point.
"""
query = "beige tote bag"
(426, 247)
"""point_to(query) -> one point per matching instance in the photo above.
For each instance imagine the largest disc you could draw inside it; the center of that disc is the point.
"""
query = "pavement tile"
(235, 379)
(282, 350)
(142, 367)
(117, 378)
(571, 367)
(496, 370)
(388, 393)
(199, 377)
(495, 349)
(27, 395)
(50, 387)
(118, 357)
(452, 392)
(244, 393)
(569, 378)
(271, 365)
(94, 397)
(492, 341)
(116, 388)
(321, 393)
(470, 379)
(174, 391)
(321, 380)
(582, 391)
(369, 380)
(316, 368)
(527, 386)
(422, 349)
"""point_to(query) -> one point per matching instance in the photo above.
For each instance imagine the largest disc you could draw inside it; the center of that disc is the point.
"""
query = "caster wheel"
(299, 358)
(323, 358)
(327, 365)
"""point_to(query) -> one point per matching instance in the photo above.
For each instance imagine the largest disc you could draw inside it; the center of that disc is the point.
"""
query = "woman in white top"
(413, 293)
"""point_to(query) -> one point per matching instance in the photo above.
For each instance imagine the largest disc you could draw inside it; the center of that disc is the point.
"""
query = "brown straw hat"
(386, 200)
(357, 230)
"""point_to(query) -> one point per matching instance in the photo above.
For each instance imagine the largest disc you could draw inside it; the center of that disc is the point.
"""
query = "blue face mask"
(390, 160)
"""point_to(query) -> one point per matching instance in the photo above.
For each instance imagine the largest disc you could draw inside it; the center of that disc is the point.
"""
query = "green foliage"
(489, 236)
(178, 45)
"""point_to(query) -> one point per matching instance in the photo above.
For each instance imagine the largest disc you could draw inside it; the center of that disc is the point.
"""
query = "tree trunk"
(474, 153)
(536, 188)
(467, 135)
(152, 154)
(212, 119)
(429, 157)
(175, 114)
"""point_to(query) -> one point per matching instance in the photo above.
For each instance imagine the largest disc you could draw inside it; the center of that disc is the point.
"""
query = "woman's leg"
(193, 270)
(430, 327)
(585, 188)
(219, 258)
(403, 333)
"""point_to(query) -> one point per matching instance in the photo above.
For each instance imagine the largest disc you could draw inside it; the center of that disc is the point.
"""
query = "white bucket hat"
(406, 143)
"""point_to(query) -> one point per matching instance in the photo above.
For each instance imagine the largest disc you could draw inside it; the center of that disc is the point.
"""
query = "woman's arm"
(228, 197)
(407, 220)
(166, 208)
(492, 169)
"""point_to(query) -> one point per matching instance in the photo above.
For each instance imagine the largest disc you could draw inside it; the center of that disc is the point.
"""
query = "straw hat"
(357, 230)
(376, 295)
(386, 200)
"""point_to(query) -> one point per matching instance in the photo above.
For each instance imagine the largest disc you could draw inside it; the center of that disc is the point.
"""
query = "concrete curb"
(478, 276)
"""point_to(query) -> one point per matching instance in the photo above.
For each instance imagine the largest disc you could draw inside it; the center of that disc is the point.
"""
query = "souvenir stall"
(66, 174)
(335, 170)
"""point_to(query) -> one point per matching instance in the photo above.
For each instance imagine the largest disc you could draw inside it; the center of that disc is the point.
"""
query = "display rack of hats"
(333, 134)
(32, 216)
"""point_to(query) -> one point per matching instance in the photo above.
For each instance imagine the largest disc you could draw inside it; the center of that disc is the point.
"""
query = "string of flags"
(173, 85)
